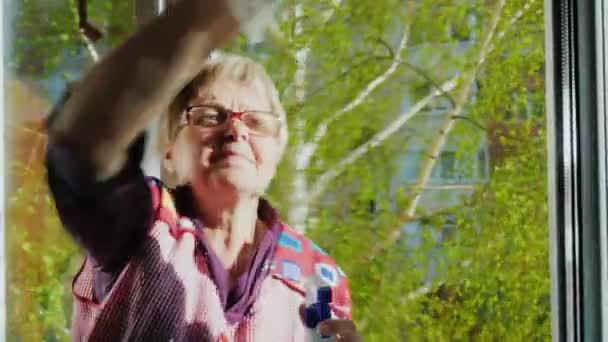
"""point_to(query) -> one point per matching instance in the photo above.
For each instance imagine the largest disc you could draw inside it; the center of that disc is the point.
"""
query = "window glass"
(416, 158)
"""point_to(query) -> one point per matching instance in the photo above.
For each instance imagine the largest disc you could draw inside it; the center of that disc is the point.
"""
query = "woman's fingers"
(345, 330)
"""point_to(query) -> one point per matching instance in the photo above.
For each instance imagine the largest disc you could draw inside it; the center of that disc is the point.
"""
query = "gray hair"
(226, 67)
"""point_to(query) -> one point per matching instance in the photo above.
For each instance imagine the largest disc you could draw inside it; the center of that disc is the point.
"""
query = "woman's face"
(230, 157)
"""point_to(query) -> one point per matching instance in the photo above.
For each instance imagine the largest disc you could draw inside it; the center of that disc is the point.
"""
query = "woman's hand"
(344, 330)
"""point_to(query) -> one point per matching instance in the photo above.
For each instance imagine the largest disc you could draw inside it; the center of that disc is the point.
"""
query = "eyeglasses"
(212, 117)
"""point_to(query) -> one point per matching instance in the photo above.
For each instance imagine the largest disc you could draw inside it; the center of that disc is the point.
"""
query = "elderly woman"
(207, 259)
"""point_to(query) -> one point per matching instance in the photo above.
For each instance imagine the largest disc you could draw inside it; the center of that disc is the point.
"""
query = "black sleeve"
(108, 219)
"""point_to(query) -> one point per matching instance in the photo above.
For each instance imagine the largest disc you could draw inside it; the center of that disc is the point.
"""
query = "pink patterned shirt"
(166, 291)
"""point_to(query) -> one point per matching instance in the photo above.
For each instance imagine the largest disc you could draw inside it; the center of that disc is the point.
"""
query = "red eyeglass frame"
(233, 115)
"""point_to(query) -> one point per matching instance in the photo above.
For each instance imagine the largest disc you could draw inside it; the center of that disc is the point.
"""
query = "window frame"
(5, 8)
(577, 165)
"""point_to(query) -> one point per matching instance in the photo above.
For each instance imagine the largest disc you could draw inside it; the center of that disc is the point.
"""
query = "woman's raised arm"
(121, 94)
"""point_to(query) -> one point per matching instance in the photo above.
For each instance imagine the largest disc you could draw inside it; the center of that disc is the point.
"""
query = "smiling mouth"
(227, 155)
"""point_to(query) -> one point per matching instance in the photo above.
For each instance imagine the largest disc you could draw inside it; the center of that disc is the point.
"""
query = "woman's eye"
(252, 120)
(210, 119)
(207, 117)
(259, 122)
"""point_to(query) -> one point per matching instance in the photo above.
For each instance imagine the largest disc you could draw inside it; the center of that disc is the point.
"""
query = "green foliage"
(41, 258)
(497, 280)
(46, 32)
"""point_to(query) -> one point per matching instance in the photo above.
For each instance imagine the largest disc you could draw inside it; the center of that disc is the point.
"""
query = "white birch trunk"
(306, 149)
(298, 210)
(438, 143)
(321, 183)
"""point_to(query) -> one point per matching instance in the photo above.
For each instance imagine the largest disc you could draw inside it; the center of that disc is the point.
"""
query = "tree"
(359, 80)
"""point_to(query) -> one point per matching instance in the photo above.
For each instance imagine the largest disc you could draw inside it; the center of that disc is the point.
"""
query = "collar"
(185, 205)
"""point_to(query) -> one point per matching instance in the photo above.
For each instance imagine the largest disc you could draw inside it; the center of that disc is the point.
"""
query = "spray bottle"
(317, 312)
